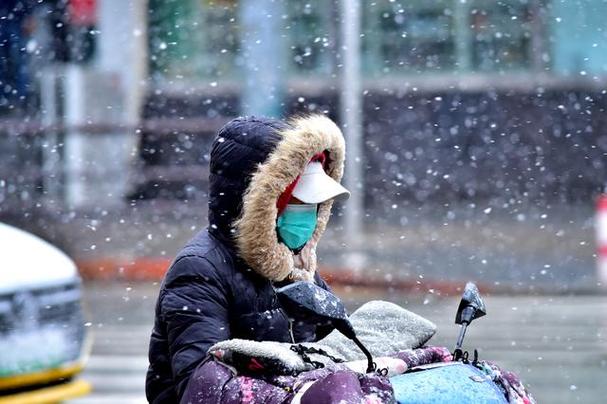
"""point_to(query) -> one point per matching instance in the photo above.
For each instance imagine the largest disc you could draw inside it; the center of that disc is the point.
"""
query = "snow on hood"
(30, 262)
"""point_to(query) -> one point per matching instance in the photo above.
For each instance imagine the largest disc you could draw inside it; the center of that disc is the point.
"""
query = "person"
(14, 80)
(271, 188)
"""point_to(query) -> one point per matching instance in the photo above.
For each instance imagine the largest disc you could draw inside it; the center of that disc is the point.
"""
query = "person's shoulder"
(203, 256)
(201, 245)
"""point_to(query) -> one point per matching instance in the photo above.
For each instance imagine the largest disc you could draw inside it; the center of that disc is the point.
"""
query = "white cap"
(315, 186)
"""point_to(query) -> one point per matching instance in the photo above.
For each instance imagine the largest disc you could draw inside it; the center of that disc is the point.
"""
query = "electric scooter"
(463, 380)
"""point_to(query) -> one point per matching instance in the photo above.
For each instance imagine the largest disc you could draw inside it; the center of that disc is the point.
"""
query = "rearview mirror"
(471, 306)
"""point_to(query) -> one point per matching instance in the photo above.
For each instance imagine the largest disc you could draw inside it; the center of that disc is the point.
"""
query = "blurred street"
(538, 248)
(557, 344)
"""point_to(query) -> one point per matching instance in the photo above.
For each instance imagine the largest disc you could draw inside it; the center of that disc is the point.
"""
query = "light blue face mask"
(296, 225)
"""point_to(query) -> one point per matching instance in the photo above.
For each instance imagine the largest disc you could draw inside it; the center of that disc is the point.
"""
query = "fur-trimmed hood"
(289, 148)
(256, 236)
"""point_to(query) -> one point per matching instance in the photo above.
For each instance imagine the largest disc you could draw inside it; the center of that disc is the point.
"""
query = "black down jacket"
(220, 286)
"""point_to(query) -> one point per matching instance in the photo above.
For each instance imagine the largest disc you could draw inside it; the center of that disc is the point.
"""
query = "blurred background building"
(484, 115)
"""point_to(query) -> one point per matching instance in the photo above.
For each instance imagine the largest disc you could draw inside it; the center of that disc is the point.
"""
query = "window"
(194, 39)
(219, 55)
(501, 35)
(200, 39)
(405, 36)
(311, 36)
(191, 39)
(450, 35)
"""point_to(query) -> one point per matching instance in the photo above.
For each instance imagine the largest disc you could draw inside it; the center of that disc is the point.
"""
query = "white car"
(42, 328)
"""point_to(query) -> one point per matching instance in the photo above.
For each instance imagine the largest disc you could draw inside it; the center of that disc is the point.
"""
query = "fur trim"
(256, 236)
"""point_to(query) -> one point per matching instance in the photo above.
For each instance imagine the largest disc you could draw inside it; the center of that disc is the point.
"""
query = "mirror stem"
(460, 340)
(462, 334)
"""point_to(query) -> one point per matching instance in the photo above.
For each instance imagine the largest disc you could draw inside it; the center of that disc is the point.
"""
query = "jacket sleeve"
(194, 308)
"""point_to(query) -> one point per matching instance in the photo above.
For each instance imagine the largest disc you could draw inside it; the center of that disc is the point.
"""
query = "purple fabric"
(245, 389)
(348, 387)
(341, 386)
(424, 356)
(515, 391)
(207, 383)
(213, 382)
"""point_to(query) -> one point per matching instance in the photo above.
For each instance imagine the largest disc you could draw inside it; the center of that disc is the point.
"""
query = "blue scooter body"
(453, 382)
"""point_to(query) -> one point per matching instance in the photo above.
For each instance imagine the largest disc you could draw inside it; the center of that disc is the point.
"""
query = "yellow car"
(43, 338)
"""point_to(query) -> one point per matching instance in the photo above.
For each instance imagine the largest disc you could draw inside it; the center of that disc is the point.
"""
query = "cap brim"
(318, 187)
